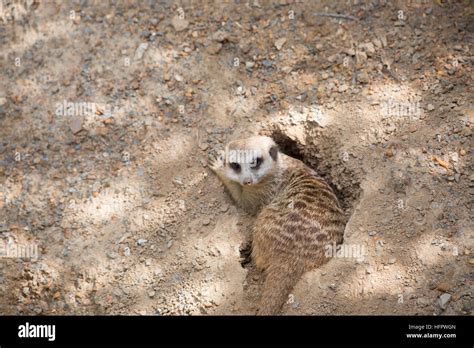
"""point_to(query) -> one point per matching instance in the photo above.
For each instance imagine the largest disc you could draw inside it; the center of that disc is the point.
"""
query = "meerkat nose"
(248, 181)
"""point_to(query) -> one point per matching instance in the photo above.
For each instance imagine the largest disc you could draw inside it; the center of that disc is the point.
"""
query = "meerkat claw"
(216, 164)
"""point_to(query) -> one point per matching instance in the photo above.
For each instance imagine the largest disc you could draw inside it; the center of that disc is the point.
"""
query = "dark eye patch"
(256, 164)
(235, 166)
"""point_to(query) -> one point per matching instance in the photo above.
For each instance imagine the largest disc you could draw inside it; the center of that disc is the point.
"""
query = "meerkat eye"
(235, 166)
(257, 162)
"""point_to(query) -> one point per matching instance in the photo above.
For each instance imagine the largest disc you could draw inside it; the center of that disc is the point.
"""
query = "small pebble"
(112, 255)
(444, 300)
(141, 242)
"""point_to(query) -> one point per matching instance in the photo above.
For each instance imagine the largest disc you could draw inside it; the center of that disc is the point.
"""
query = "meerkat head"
(248, 161)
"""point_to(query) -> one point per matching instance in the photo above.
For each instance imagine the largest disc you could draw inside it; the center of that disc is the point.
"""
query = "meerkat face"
(248, 161)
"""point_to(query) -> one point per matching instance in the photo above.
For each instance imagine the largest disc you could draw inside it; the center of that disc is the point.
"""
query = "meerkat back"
(291, 233)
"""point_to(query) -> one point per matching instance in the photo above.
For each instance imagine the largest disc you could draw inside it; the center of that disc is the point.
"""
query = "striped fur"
(298, 215)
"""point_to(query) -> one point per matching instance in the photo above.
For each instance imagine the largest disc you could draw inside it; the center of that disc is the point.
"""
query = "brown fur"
(300, 215)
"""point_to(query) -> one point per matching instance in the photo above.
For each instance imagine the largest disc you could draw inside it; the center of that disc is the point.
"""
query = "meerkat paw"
(216, 164)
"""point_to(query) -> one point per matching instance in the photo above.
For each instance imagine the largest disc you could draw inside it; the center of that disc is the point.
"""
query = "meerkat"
(298, 214)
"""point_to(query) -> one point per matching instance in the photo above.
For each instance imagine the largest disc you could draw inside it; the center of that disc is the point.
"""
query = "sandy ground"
(110, 112)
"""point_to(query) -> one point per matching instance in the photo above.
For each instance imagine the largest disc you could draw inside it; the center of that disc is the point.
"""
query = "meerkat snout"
(248, 181)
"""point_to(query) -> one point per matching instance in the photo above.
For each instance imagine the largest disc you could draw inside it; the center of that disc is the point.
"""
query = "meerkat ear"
(274, 152)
